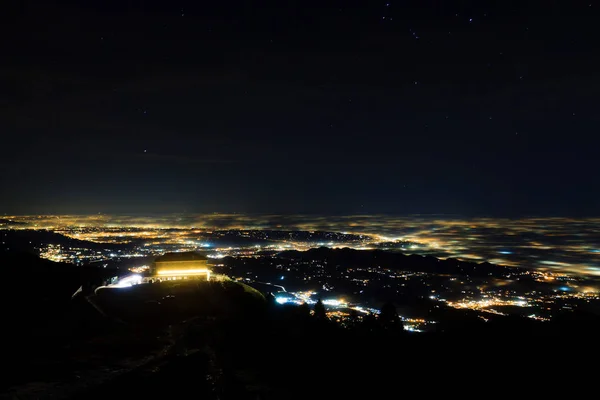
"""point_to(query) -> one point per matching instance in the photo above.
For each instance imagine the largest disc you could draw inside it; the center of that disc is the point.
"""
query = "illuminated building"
(180, 266)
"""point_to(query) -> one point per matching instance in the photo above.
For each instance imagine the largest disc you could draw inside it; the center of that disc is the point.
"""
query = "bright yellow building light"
(198, 271)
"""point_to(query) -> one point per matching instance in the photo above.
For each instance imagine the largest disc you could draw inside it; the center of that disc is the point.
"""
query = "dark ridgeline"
(400, 262)
(30, 240)
(9, 222)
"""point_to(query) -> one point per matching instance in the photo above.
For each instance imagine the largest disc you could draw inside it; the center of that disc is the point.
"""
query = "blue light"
(505, 252)
(565, 288)
(282, 277)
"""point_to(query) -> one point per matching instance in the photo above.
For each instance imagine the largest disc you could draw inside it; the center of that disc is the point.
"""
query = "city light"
(334, 303)
(485, 304)
(140, 269)
(474, 239)
(558, 260)
(189, 272)
(129, 281)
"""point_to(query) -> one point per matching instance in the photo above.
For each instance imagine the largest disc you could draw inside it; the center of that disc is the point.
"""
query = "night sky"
(354, 106)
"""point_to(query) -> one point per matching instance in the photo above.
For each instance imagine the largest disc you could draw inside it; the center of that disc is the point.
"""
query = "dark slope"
(400, 262)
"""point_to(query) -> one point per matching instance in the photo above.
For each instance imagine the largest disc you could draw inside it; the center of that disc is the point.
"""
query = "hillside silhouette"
(27, 240)
(224, 340)
(400, 262)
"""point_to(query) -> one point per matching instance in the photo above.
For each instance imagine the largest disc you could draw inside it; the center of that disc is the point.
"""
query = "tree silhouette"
(304, 310)
(369, 322)
(320, 310)
(388, 318)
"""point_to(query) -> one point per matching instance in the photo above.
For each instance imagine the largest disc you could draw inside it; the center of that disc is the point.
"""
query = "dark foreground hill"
(171, 302)
(221, 340)
(34, 289)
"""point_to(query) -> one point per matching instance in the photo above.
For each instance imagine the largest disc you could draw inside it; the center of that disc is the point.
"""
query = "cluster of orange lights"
(184, 272)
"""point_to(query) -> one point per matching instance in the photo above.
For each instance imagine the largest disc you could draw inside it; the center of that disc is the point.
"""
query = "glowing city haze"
(562, 244)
